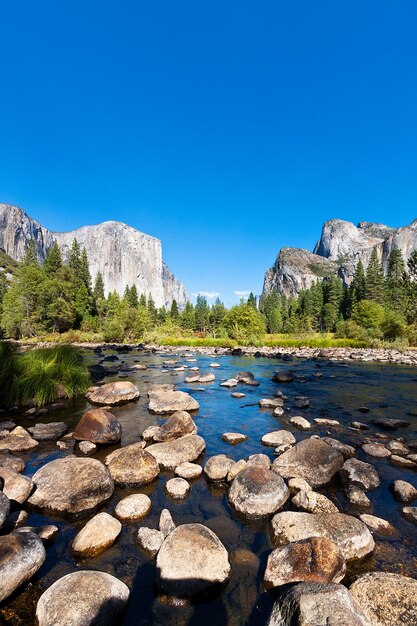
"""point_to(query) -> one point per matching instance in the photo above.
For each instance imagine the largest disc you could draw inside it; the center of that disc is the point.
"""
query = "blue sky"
(227, 129)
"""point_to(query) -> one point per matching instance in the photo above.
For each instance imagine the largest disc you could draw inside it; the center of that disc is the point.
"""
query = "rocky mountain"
(338, 251)
(124, 255)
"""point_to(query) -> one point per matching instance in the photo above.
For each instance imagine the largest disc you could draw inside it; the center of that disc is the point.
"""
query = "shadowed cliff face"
(124, 255)
(341, 246)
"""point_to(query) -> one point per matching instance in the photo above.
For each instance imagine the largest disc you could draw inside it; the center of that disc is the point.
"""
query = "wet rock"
(160, 388)
(7, 425)
(403, 491)
(21, 555)
(192, 378)
(231, 382)
(83, 598)
(113, 394)
(233, 438)
(189, 471)
(64, 445)
(377, 524)
(283, 377)
(257, 491)
(133, 507)
(192, 562)
(410, 513)
(300, 422)
(166, 523)
(278, 438)
(48, 432)
(132, 466)
(86, 448)
(235, 470)
(98, 426)
(217, 467)
(170, 454)
(177, 488)
(390, 424)
(350, 534)
(324, 421)
(71, 486)
(238, 394)
(18, 440)
(259, 459)
(177, 425)
(386, 599)
(357, 496)
(376, 449)
(317, 604)
(400, 461)
(100, 532)
(48, 533)
(347, 451)
(363, 475)
(270, 403)
(207, 378)
(16, 487)
(313, 560)
(214, 364)
(396, 447)
(298, 484)
(278, 411)
(12, 462)
(313, 502)
(150, 540)
(311, 459)
(165, 402)
(359, 426)
(4, 508)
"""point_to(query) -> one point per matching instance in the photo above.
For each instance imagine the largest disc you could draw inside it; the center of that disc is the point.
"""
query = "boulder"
(71, 486)
(235, 470)
(177, 488)
(313, 502)
(18, 440)
(377, 450)
(98, 426)
(234, 438)
(363, 475)
(313, 560)
(83, 598)
(283, 377)
(100, 532)
(192, 562)
(259, 459)
(257, 491)
(132, 466)
(317, 604)
(357, 496)
(347, 451)
(21, 555)
(16, 487)
(166, 402)
(178, 425)
(12, 462)
(230, 383)
(217, 467)
(390, 424)
(207, 378)
(170, 454)
(300, 422)
(295, 485)
(113, 394)
(350, 534)
(386, 599)
(133, 507)
(150, 540)
(311, 459)
(48, 432)
(278, 438)
(189, 471)
(404, 491)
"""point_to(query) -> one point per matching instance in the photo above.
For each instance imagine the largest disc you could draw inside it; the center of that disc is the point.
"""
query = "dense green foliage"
(60, 299)
(41, 376)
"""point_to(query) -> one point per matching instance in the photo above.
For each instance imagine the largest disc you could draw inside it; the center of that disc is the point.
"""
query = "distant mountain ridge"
(340, 247)
(124, 255)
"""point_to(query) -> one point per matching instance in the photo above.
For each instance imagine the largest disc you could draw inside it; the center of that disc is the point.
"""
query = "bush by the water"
(41, 375)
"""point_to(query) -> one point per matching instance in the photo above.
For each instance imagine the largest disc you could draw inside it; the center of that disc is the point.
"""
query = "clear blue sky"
(227, 129)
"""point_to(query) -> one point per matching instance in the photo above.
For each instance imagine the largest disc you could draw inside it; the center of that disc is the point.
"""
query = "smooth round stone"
(214, 364)
(404, 491)
(21, 555)
(177, 488)
(313, 502)
(377, 524)
(234, 438)
(230, 383)
(177, 425)
(133, 507)
(235, 470)
(189, 471)
(259, 459)
(100, 532)
(132, 466)
(376, 449)
(98, 426)
(313, 560)
(113, 394)
(165, 402)
(170, 454)
(16, 487)
(192, 562)
(83, 598)
(217, 467)
(150, 540)
(71, 486)
(278, 438)
(238, 394)
(300, 422)
(257, 491)
(386, 599)
(11, 462)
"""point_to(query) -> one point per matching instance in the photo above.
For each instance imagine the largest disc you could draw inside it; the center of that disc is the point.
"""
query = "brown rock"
(113, 394)
(98, 426)
(132, 466)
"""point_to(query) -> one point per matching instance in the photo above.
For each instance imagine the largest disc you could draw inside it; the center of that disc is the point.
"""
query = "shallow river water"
(387, 390)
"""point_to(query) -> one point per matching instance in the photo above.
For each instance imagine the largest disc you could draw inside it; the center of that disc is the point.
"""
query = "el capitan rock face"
(124, 255)
(341, 246)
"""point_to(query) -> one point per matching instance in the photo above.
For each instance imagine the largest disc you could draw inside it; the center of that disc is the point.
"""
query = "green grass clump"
(316, 340)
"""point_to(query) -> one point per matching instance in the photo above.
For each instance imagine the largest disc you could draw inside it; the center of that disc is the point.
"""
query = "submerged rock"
(132, 466)
(84, 598)
(21, 555)
(192, 562)
(257, 491)
(98, 426)
(283, 377)
(170, 454)
(177, 488)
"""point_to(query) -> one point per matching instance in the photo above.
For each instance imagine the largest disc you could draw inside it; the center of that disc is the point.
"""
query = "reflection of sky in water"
(388, 391)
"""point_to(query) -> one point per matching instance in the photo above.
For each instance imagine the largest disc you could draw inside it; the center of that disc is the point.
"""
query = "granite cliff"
(124, 255)
(341, 246)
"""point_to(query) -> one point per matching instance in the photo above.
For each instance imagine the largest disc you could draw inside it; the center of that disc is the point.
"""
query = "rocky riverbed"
(216, 488)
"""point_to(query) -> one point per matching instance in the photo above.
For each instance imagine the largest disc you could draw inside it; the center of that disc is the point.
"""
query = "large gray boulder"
(257, 491)
(317, 604)
(71, 486)
(170, 454)
(98, 426)
(350, 534)
(84, 598)
(113, 394)
(177, 425)
(132, 466)
(387, 599)
(21, 555)
(192, 562)
(166, 402)
(311, 459)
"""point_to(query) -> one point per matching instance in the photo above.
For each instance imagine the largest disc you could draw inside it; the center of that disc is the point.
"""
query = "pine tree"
(134, 300)
(396, 291)
(53, 260)
(174, 312)
(152, 309)
(375, 283)
(202, 314)
(74, 260)
(359, 283)
(188, 316)
(98, 290)
(30, 256)
(252, 300)
(85, 275)
(142, 300)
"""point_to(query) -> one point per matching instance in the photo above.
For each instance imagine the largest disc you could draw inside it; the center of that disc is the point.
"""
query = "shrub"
(393, 325)
(368, 314)
(245, 324)
(113, 332)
